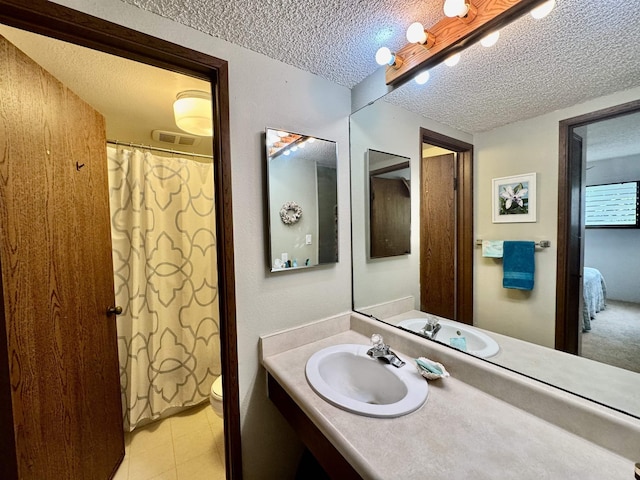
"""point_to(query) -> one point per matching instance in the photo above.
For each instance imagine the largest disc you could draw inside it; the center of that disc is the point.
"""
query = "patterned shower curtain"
(165, 268)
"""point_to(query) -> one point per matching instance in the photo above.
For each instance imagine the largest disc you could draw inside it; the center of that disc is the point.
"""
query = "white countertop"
(460, 432)
(616, 387)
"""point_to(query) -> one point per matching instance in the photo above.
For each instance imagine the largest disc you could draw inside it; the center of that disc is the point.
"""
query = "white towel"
(492, 248)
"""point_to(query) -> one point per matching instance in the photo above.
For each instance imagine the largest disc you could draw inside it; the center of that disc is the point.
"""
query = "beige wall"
(523, 147)
(264, 92)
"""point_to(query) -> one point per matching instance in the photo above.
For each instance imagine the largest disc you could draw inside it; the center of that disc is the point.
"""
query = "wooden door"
(390, 217)
(57, 279)
(438, 236)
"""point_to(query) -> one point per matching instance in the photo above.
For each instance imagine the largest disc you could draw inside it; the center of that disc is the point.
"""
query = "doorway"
(446, 228)
(571, 274)
(78, 28)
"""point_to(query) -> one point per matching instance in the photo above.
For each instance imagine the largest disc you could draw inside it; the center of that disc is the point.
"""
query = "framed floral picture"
(514, 198)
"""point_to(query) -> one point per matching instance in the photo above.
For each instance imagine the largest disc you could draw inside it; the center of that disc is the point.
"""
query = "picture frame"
(514, 198)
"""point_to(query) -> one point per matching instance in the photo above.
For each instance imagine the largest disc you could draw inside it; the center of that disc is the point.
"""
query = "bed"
(595, 295)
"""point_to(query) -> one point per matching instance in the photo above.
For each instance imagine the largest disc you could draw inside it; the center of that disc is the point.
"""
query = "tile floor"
(187, 446)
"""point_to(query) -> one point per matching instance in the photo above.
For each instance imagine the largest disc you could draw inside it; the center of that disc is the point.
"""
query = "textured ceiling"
(582, 50)
(612, 138)
(336, 39)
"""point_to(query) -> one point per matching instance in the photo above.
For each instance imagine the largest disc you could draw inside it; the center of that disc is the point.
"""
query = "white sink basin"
(345, 376)
(478, 343)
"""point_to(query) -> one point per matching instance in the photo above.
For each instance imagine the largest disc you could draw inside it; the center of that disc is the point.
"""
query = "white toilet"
(216, 396)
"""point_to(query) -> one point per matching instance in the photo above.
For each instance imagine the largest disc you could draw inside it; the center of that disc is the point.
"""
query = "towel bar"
(541, 243)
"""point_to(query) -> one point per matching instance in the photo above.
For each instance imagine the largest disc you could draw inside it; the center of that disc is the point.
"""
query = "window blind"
(612, 205)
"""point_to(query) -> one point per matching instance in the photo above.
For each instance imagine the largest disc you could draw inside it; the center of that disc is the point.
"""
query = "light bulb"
(384, 56)
(453, 60)
(491, 39)
(422, 78)
(455, 8)
(416, 33)
(543, 10)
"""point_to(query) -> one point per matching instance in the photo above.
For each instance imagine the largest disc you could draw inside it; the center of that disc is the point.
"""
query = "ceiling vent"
(175, 138)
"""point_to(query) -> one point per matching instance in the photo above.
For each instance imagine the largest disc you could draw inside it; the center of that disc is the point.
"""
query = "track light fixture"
(464, 24)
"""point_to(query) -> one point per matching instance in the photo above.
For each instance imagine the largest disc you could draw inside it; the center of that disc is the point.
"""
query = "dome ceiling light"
(193, 112)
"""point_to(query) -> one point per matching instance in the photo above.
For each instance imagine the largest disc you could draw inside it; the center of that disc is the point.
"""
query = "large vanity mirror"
(509, 103)
(302, 200)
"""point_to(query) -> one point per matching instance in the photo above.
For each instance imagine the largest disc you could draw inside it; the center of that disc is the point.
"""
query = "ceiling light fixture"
(463, 9)
(417, 34)
(453, 60)
(467, 21)
(384, 56)
(491, 39)
(193, 112)
(543, 10)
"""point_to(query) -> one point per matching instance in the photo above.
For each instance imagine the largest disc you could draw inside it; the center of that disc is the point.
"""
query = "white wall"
(293, 179)
(384, 127)
(527, 146)
(614, 251)
(264, 92)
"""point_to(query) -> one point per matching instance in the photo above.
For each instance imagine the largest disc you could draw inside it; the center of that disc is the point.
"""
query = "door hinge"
(455, 183)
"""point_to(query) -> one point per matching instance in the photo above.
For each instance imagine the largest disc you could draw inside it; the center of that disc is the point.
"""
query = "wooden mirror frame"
(63, 23)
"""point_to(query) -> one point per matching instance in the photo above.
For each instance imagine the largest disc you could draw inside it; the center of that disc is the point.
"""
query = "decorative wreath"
(290, 213)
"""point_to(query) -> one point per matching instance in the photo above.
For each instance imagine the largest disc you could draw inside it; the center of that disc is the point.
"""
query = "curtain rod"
(158, 149)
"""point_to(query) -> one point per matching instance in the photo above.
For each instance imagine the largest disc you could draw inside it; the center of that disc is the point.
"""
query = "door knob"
(117, 310)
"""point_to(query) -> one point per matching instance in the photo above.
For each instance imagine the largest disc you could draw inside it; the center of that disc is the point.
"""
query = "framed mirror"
(389, 204)
(302, 200)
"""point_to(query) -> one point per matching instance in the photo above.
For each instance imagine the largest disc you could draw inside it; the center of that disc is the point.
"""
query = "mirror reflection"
(611, 309)
(302, 200)
(389, 204)
(523, 323)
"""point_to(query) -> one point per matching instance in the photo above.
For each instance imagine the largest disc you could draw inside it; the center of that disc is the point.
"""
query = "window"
(612, 205)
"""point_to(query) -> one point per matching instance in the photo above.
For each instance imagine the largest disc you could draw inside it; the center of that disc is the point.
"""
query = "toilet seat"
(215, 398)
(216, 388)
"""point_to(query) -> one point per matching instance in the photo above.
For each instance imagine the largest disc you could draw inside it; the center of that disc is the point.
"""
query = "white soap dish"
(431, 370)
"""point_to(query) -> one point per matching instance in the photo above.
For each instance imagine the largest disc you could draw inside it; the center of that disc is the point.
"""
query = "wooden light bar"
(455, 34)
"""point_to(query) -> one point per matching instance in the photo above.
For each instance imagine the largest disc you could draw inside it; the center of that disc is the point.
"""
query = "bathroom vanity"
(482, 422)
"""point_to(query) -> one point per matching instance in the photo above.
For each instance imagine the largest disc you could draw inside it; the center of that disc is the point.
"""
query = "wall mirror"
(302, 200)
(389, 204)
(512, 118)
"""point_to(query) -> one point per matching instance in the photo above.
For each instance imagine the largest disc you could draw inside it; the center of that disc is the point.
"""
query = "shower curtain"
(165, 268)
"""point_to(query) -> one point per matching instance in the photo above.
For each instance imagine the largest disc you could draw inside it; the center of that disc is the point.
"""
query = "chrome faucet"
(431, 328)
(383, 352)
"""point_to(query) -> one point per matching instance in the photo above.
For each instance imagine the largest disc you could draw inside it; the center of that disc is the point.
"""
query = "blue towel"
(518, 265)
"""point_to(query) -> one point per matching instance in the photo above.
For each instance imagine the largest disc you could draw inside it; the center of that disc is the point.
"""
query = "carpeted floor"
(614, 337)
